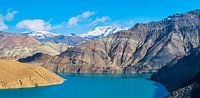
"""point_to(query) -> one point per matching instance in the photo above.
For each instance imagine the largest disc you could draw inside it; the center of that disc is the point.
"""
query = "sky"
(79, 16)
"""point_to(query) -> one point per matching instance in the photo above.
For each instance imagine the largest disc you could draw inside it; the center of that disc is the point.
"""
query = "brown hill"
(9, 40)
(19, 75)
(17, 52)
(14, 46)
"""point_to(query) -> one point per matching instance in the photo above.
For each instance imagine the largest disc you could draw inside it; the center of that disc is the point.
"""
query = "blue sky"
(79, 16)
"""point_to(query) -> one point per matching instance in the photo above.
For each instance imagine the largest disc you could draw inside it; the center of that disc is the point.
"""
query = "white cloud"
(75, 20)
(100, 20)
(3, 26)
(36, 25)
(4, 18)
(87, 14)
(10, 15)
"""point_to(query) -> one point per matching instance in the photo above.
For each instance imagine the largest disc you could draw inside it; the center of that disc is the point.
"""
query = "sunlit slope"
(18, 75)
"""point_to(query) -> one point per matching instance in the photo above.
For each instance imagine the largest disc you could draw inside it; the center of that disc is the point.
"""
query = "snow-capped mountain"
(41, 34)
(102, 31)
(73, 39)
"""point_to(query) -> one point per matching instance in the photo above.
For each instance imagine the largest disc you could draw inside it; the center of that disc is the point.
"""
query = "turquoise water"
(94, 86)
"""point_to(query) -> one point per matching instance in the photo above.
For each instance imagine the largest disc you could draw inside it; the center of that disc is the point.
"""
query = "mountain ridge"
(73, 39)
(143, 48)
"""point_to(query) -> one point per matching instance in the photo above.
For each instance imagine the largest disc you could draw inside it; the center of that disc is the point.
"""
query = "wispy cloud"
(36, 25)
(100, 20)
(8, 17)
(76, 19)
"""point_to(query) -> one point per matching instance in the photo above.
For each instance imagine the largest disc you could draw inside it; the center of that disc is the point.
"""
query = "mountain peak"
(41, 34)
(103, 31)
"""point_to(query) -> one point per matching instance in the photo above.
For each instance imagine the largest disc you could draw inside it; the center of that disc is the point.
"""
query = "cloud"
(5, 18)
(10, 15)
(76, 19)
(36, 25)
(73, 21)
(100, 20)
(3, 26)
(87, 14)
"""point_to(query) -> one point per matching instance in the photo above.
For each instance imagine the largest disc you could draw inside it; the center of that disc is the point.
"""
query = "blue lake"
(94, 86)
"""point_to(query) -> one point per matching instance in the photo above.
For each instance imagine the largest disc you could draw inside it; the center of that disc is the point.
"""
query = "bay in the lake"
(94, 86)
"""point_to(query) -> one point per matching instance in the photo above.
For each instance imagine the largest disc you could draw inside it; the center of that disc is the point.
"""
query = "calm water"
(94, 86)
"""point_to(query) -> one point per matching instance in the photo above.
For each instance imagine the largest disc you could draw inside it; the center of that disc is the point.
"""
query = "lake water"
(94, 86)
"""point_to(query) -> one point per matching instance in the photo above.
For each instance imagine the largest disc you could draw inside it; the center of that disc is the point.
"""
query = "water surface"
(94, 86)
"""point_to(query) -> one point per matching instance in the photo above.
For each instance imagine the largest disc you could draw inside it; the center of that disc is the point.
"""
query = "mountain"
(10, 40)
(29, 50)
(143, 48)
(19, 75)
(102, 31)
(72, 40)
(41, 34)
(14, 46)
(182, 77)
(69, 40)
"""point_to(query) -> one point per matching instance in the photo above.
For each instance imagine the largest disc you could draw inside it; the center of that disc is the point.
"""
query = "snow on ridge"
(103, 31)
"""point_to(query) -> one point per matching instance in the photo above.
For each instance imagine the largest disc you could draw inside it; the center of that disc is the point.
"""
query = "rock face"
(143, 48)
(182, 77)
(29, 50)
(10, 40)
(19, 75)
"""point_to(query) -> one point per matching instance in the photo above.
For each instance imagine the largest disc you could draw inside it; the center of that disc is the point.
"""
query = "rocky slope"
(19, 75)
(143, 48)
(182, 77)
(10, 40)
(15, 46)
(29, 50)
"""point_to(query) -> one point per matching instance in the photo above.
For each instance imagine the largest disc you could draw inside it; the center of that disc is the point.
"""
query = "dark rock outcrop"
(189, 90)
(182, 77)
(143, 48)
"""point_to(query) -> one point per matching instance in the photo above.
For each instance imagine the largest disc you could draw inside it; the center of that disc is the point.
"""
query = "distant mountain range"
(73, 39)
(102, 31)
(41, 34)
